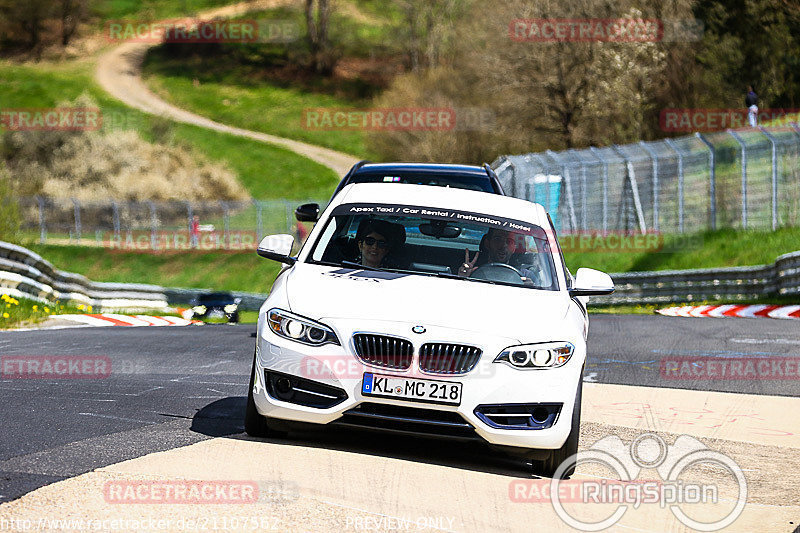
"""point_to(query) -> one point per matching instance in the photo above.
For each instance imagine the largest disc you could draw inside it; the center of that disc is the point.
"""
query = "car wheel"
(256, 424)
(548, 466)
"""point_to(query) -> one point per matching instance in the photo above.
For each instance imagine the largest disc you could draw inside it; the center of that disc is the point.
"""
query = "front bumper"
(488, 384)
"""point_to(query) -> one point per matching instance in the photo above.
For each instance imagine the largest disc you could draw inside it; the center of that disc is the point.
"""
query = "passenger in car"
(378, 243)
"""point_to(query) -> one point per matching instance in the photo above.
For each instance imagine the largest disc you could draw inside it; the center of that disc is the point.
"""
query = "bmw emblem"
(418, 329)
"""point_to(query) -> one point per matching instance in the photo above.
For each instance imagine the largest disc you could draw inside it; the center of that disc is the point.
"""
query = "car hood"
(321, 292)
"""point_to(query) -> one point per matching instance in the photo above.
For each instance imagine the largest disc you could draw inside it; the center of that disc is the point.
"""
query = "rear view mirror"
(590, 282)
(307, 213)
(439, 229)
(277, 247)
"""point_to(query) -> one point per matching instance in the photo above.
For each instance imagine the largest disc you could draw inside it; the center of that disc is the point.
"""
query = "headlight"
(199, 309)
(231, 308)
(297, 328)
(535, 356)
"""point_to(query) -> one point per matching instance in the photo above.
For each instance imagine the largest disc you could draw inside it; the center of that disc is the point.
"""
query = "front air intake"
(381, 350)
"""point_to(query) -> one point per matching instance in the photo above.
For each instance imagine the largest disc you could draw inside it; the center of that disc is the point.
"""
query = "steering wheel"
(497, 272)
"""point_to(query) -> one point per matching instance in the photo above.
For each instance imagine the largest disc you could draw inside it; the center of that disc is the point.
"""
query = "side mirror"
(307, 213)
(277, 248)
(590, 282)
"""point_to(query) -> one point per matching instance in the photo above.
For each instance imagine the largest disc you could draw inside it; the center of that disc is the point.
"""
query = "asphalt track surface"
(171, 387)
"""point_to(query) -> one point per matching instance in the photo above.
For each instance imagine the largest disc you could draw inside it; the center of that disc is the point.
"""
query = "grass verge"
(22, 312)
(241, 271)
(267, 87)
(722, 248)
(266, 171)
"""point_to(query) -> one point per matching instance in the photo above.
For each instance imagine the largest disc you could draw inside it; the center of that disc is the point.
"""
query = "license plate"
(419, 390)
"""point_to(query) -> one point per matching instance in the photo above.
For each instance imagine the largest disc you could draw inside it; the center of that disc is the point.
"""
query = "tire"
(548, 467)
(256, 424)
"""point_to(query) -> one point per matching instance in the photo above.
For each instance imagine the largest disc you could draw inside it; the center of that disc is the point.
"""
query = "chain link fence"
(747, 178)
(158, 226)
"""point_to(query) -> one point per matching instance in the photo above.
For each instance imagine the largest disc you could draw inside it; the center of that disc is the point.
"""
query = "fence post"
(42, 226)
(712, 176)
(77, 209)
(599, 156)
(672, 145)
(631, 177)
(115, 217)
(769, 136)
(288, 208)
(153, 226)
(744, 175)
(259, 219)
(546, 172)
(226, 224)
(654, 159)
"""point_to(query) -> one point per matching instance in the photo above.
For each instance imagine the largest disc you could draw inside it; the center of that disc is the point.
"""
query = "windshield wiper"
(353, 264)
(448, 275)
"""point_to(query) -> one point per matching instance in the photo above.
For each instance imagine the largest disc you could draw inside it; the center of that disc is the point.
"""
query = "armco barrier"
(728, 284)
(25, 273)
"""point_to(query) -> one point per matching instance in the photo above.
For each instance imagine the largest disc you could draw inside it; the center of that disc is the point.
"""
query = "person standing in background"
(751, 102)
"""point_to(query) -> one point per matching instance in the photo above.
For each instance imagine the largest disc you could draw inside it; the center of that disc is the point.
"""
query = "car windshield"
(445, 179)
(437, 242)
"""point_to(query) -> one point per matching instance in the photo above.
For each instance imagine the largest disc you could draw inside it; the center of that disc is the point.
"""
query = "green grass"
(264, 87)
(266, 171)
(151, 9)
(242, 271)
(703, 250)
(21, 312)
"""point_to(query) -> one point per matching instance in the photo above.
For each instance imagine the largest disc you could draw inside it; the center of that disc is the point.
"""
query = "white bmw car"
(429, 311)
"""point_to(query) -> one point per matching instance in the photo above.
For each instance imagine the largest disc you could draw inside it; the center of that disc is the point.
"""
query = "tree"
(9, 208)
(318, 14)
(71, 12)
(26, 18)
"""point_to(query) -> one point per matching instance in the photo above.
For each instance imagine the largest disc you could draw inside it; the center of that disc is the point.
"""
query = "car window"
(434, 241)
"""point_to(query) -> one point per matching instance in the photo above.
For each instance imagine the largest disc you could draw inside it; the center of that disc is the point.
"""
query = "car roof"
(423, 168)
(443, 197)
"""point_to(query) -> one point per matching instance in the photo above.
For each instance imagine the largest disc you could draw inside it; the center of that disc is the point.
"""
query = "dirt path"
(119, 73)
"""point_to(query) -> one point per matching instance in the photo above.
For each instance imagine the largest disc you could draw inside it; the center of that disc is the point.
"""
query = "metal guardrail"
(717, 284)
(26, 274)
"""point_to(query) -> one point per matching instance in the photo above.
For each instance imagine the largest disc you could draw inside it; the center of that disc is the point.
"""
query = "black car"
(217, 307)
(437, 175)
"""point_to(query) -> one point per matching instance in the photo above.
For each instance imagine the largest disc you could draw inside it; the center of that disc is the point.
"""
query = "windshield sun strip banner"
(438, 213)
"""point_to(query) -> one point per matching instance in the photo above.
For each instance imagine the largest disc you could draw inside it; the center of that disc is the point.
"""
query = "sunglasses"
(371, 241)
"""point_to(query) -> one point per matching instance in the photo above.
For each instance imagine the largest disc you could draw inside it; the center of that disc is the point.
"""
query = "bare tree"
(318, 14)
(71, 12)
(26, 17)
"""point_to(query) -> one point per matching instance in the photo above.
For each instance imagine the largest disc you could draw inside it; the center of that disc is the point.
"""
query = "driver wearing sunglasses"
(376, 240)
